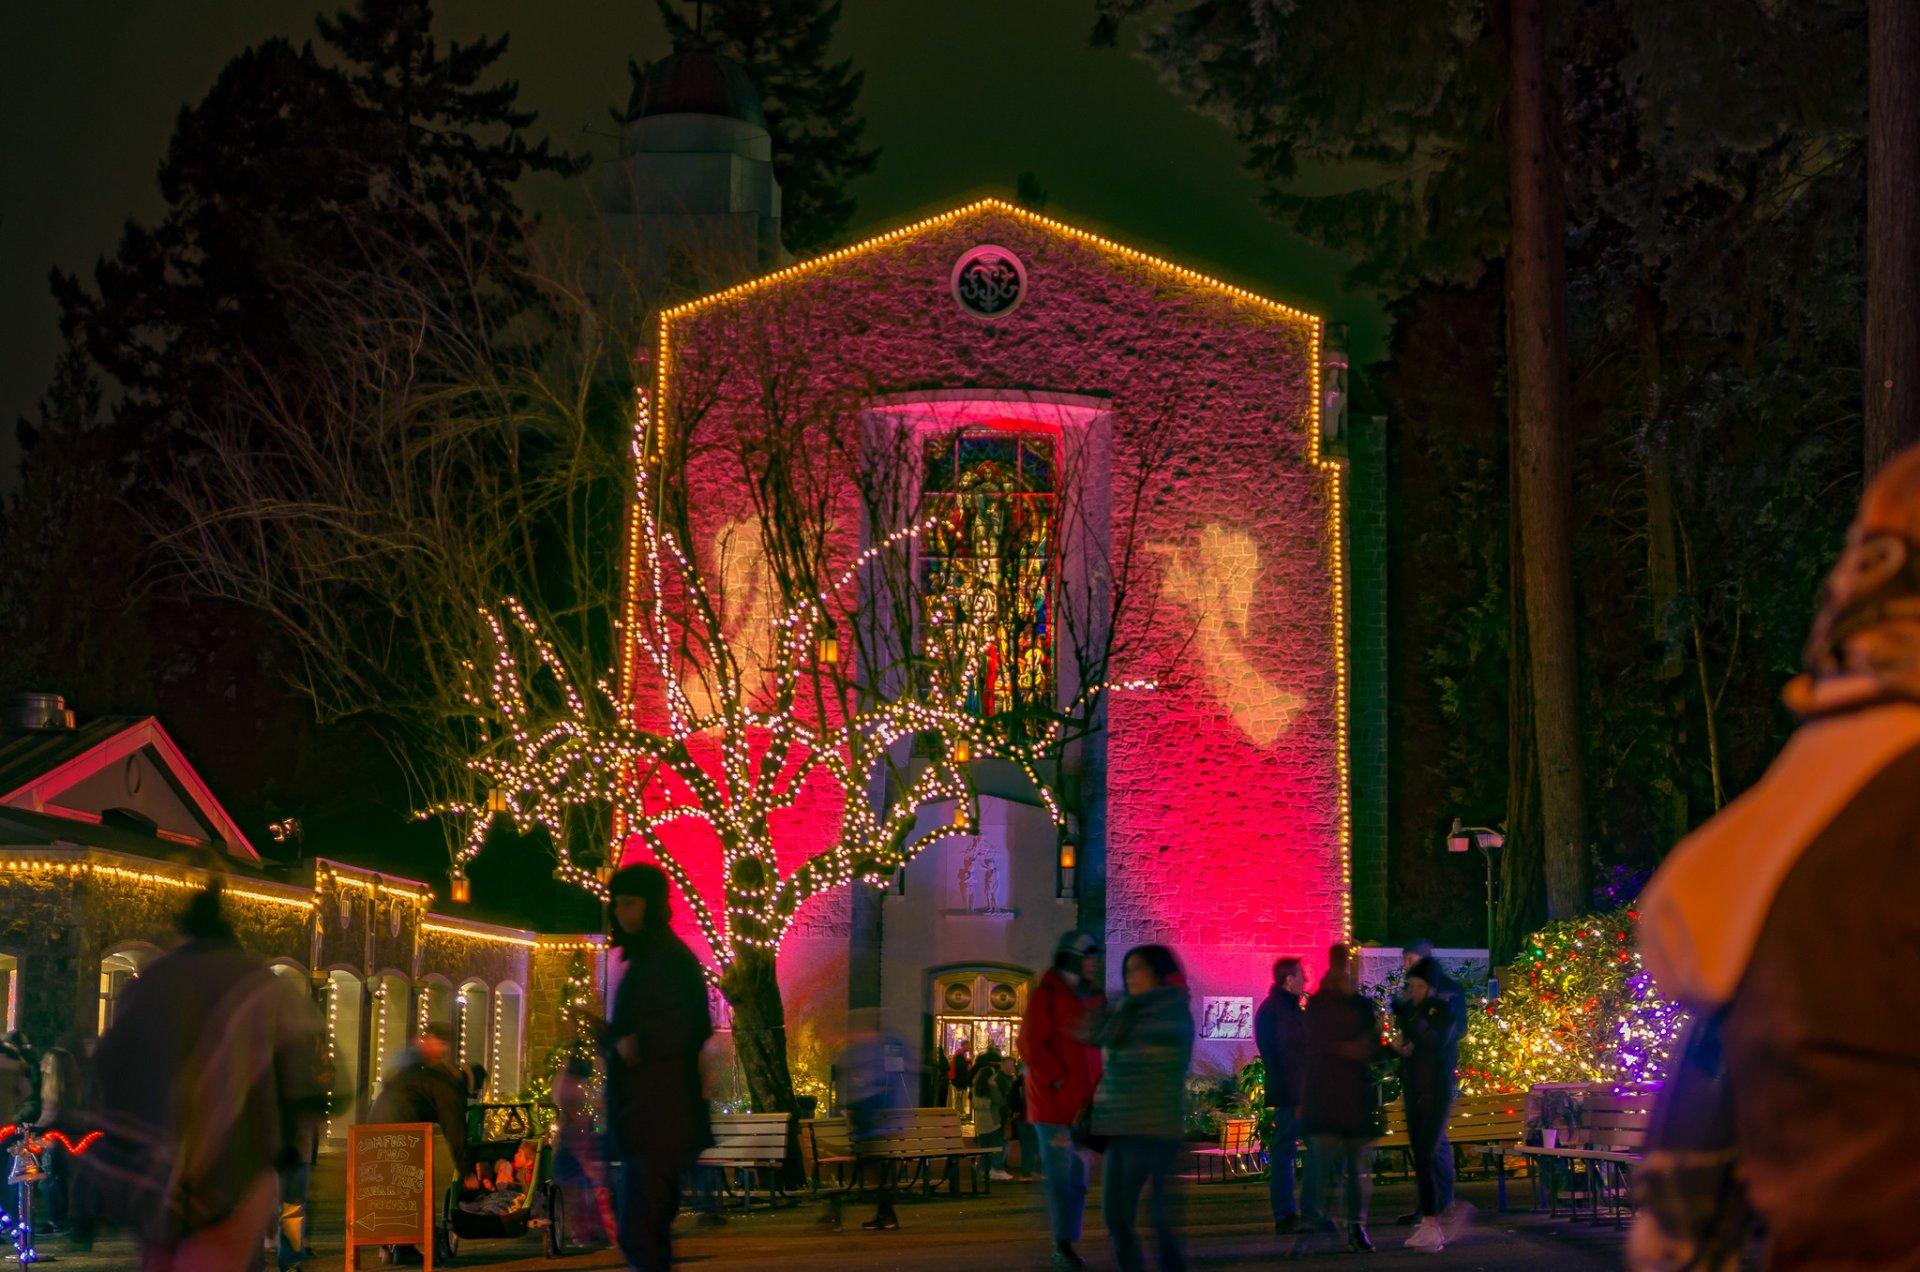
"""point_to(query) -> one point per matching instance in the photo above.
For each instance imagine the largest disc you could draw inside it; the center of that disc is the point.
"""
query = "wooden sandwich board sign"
(390, 1187)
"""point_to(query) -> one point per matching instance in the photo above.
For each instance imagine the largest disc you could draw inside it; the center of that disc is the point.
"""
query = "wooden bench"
(748, 1149)
(1607, 1147)
(1489, 1123)
(921, 1148)
(1237, 1155)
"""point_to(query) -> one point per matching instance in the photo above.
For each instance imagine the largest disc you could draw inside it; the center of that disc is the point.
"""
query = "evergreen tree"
(294, 170)
(809, 103)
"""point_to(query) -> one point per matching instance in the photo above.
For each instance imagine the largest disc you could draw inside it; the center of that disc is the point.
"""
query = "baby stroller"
(504, 1212)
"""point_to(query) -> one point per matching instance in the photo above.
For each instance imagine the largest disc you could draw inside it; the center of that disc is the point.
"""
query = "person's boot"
(1288, 1226)
(1358, 1239)
(1066, 1257)
(1409, 1219)
(884, 1221)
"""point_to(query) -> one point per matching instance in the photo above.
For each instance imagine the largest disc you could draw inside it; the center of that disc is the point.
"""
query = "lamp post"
(1463, 838)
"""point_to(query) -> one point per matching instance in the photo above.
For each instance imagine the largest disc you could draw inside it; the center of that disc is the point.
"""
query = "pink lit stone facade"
(1215, 806)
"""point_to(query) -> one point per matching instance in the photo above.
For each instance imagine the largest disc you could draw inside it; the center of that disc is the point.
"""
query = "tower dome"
(695, 80)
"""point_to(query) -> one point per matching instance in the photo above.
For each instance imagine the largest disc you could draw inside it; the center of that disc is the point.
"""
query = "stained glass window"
(990, 499)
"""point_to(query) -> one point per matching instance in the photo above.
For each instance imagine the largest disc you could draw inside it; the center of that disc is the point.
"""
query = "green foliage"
(809, 102)
(1210, 1100)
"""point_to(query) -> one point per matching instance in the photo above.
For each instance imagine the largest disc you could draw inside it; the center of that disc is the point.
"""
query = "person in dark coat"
(1339, 1110)
(658, 1112)
(423, 1086)
(1430, 1026)
(1434, 1111)
(1063, 1068)
(1280, 1031)
(1794, 1084)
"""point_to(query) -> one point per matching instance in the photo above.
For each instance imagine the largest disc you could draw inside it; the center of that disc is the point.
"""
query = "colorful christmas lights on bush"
(1575, 1006)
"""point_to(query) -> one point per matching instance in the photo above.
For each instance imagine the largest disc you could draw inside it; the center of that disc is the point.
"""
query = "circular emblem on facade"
(989, 282)
(959, 996)
(1002, 997)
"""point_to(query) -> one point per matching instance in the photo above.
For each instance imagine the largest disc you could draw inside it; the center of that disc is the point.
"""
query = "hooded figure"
(658, 1114)
(1793, 1077)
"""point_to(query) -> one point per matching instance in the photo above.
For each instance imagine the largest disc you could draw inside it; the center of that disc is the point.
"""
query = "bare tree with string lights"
(742, 718)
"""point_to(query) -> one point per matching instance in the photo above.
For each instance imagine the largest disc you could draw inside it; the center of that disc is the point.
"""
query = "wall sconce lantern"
(604, 872)
(462, 889)
(828, 647)
(496, 800)
(961, 750)
(1066, 864)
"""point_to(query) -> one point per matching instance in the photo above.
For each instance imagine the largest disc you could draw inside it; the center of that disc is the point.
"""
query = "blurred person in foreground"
(872, 1069)
(1063, 1068)
(422, 1085)
(657, 1111)
(1789, 1091)
(1339, 1109)
(1280, 1032)
(1141, 1104)
(209, 1063)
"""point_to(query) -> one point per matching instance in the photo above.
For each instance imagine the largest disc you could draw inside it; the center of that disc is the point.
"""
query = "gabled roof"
(977, 208)
(38, 765)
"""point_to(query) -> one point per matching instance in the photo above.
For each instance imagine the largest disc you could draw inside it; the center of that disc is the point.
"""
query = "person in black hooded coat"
(659, 1117)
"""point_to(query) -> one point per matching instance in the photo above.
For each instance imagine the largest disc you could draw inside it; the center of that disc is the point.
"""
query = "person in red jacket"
(1063, 1067)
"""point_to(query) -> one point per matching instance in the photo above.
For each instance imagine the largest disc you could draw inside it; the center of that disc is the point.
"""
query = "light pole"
(1463, 838)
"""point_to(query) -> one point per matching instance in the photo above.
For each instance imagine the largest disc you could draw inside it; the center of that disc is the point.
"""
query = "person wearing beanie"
(1430, 1049)
(1788, 1093)
(658, 1116)
(1416, 952)
(1063, 1068)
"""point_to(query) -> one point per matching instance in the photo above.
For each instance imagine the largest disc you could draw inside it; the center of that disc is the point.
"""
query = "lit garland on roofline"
(742, 753)
(1575, 1006)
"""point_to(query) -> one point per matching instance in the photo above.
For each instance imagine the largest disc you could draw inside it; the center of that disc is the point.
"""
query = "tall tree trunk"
(1670, 805)
(1537, 402)
(759, 1029)
(1522, 900)
(760, 1040)
(1892, 379)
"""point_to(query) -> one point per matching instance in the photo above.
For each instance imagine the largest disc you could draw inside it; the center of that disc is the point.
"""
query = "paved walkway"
(1227, 1227)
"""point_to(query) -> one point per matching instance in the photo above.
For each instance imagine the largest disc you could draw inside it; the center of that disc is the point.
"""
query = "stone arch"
(506, 1070)
(120, 965)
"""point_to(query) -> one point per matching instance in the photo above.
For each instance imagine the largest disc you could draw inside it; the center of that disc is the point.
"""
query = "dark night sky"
(961, 97)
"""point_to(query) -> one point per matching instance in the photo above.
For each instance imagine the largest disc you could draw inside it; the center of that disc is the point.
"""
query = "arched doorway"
(343, 1046)
(471, 1022)
(390, 1026)
(980, 1007)
(435, 1001)
(504, 1069)
(118, 969)
(10, 979)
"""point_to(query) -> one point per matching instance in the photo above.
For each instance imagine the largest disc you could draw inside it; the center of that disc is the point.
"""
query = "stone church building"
(1162, 432)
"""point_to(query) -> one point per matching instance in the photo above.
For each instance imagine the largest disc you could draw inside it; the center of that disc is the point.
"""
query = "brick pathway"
(1226, 1227)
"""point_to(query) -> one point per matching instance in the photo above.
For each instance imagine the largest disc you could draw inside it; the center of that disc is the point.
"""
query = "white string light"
(736, 759)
